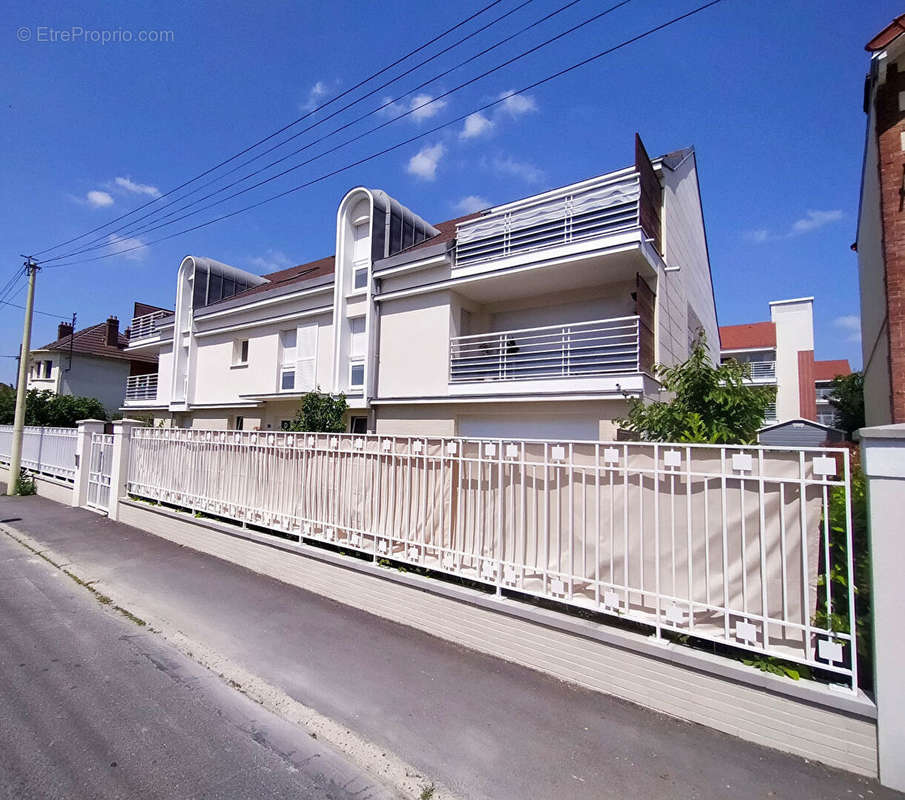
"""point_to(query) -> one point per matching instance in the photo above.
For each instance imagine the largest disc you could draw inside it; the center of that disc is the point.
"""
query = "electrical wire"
(486, 73)
(281, 130)
(386, 104)
(578, 65)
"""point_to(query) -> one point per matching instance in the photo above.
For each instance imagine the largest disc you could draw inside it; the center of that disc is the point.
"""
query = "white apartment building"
(536, 318)
(781, 354)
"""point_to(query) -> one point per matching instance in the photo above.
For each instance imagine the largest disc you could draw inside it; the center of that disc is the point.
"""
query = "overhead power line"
(558, 74)
(281, 130)
(508, 62)
(386, 104)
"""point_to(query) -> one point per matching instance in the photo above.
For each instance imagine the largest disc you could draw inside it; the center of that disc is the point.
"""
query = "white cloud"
(523, 170)
(315, 94)
(272, 261)
(137, 188)
(424, 163)
(850, 324)
(811, 221)
(132, 249)
(814, 220)
(471, 203)
(422, 106)
(517, 104)
(98, 199)
(475, 125)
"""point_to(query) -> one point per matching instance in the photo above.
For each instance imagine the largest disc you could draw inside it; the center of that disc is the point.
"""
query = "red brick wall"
(890, 125)
(807, 389)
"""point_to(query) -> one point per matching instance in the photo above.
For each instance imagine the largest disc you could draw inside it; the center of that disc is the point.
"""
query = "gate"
(100, 471)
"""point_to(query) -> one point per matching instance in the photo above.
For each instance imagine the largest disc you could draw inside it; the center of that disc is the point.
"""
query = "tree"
(321, 413)
(49, 409)
(710, 403)
(847, 398)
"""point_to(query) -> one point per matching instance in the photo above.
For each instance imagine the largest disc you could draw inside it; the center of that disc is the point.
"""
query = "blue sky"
(769, 93)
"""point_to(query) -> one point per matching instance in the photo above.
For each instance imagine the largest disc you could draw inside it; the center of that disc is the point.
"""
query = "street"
(93, 705)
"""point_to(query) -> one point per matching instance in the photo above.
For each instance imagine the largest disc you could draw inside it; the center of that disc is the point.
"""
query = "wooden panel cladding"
(645, 304)
(651, 195)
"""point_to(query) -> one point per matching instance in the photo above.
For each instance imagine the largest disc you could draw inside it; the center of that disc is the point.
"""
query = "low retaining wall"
(58, 491)
(809, 720)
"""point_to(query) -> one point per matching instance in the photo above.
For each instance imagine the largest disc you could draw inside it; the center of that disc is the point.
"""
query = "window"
(356, 375)
(361, 278)
(288, 340)
(358, 425)
(240, 352)
(48, 366)
(357, 339)
(240, 423)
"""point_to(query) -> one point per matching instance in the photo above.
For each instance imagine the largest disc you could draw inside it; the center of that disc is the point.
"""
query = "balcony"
(596, 349)
(145, 326)
(763, 370)
(141, 387)
(601, 210)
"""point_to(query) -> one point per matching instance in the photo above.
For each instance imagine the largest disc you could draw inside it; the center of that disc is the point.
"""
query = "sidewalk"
(484, 727)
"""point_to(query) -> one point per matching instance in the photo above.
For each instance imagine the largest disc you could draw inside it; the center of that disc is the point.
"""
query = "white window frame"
(238, 346)
(288, 356)
(357, 362)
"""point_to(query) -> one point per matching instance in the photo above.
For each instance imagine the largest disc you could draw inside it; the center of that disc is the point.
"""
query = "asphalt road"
(94, 706)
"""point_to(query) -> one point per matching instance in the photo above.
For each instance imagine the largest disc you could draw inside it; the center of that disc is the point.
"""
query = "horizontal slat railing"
(724, 544)
(610, 207)
(45, 451)
(579, 349)
(145, 325)
(141, 387)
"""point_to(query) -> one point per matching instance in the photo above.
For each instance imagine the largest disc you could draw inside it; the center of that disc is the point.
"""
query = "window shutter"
(306, 357)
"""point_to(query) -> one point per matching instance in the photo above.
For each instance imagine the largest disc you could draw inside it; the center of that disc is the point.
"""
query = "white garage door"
(528, 426)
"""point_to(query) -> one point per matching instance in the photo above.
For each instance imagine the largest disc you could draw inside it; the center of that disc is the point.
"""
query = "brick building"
(881, 229)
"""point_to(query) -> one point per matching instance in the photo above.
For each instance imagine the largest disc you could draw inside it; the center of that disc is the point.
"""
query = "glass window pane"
(361, 278)
(357, 375)
(287, 380)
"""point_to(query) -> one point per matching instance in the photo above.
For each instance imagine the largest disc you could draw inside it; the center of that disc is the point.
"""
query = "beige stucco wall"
(794, 332)
(690, 287)
(445, 419)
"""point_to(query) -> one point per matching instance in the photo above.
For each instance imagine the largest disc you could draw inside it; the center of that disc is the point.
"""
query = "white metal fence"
(146, 325)
(45, 451)
(141, 387)
(727, 544)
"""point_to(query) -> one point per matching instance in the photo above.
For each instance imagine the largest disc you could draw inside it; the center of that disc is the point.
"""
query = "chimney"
(64, 329)
(112, 332)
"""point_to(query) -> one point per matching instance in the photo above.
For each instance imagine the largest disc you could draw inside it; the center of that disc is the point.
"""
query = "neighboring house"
(781, 354)
(92, 362)
(535, 318)
(881, 229)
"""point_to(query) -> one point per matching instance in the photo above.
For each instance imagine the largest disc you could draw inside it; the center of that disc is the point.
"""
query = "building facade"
(881, 229)
(780, 353)
(536, 318)
(92, 362)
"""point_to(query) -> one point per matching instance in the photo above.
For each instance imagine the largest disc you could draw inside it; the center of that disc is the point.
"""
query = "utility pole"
(15, 459)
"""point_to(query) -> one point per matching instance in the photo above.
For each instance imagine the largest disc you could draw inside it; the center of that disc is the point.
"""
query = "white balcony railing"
(761, 370)
(146, 325)
(141, 387)
(610, 207)
(581, 349)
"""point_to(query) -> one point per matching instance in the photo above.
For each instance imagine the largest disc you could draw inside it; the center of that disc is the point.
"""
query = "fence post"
(83, 459)
(883, 463)
(119, 467)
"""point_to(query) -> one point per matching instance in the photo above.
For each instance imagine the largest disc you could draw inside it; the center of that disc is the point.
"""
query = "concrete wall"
(103, 378)
(58, 491)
